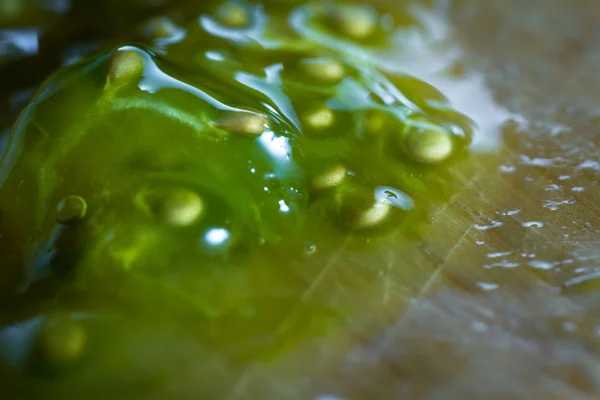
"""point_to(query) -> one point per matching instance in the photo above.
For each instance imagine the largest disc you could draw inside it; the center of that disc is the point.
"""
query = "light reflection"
(277, 146)
(499, 254)
(24, 41)
(17, 340)
(155, 79)
(178, 35)
(492, 225)
(284, 208)
(351, 95)
(542, 265)
(582, 279)
(533, 224)
(394, 197)
(272, 91)
(217, 236)
(57, 6)
(215, 56)
(19, 99)
(279, 150)
(487, 286)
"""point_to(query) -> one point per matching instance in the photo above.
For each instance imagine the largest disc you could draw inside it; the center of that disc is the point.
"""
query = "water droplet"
(394, 197)
(543, 162)
(581, 279)
(491, 225)
(507, 169)
(555, 205)
(479, 327)
(310, 249)
(533, 224)
(569, 326)
(510, 213)
(543, 265)
(589, 164)
(499, 254)
(488, 286)
(502, 264)
(552, 187)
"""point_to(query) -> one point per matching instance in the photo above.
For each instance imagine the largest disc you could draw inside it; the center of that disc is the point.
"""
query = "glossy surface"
(198, 159)
(345, 286)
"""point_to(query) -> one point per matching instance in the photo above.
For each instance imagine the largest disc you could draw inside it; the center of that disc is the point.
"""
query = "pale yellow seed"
(242, 123)
(375, 123)
(355, 22)
(428, 146)
(320, 118)
(180, 207)
(60, 340)
(333, 177)
(372, 216)
(324, 70)
(70, 209)
(233, 15)
(125, 66)
(160, 28)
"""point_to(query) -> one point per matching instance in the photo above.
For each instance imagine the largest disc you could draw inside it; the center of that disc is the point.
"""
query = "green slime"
(173, 192)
